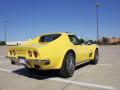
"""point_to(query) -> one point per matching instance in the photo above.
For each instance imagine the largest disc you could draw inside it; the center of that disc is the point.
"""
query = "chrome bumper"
(46, 62)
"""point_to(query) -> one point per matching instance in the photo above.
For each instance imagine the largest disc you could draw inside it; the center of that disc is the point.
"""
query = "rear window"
(49, 38)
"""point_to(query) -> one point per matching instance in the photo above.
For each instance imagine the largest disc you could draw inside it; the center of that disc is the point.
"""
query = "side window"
(74, 39)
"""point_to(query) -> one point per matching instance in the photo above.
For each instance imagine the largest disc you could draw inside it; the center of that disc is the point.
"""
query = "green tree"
(105, 40)
(2, 43)
(81, 40)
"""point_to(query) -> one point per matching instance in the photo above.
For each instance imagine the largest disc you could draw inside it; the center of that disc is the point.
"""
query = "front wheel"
(96, 57)
(68, 66)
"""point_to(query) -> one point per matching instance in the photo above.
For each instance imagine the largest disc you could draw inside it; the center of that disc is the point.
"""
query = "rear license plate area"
(22, 60)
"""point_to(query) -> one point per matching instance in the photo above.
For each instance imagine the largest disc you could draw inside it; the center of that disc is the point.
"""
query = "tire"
(96, 57)
(68, 66)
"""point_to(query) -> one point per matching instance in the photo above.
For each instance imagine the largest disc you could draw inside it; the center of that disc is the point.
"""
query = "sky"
(30, 18)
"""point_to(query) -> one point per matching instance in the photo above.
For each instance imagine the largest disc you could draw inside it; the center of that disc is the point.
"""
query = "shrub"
(2, 43)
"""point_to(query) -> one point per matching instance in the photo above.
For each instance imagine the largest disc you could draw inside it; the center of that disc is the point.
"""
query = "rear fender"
(59, 64)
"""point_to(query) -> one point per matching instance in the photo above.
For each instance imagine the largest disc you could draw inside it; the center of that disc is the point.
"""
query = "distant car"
(61, 51)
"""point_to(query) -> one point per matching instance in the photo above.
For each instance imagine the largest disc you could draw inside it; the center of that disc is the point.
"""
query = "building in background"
(15, 42)
(111, 41)
(114, 40)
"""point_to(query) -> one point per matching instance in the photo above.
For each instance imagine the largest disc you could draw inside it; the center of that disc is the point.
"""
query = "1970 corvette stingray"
(61, 51)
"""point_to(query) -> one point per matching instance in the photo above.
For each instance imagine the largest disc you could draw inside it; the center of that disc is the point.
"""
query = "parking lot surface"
(103, 76)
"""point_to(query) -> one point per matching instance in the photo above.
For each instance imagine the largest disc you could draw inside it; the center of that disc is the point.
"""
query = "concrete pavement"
(103, 76)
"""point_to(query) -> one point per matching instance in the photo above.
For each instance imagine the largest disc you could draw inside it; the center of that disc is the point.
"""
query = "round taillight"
(30, 53)
(35, 54)
(14, 53)
(10, 52)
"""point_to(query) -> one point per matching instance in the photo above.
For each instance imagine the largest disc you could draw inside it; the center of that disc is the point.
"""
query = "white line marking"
(2, 56)
(102, 64)
(82, 84)
(88, 85)
(4, 61)
(5, 70)
(105, 58)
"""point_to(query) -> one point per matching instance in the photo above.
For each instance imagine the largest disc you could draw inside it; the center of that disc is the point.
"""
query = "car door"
(85, 52)
(81, 50)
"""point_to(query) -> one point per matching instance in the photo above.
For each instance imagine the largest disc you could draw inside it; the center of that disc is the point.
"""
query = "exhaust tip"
(13, 63)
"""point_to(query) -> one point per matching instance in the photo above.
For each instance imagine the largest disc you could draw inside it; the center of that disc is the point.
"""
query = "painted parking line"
(4, 61)
(105, 58)
(103, 64)
(82, 84)
(2, 56)
(5, 70)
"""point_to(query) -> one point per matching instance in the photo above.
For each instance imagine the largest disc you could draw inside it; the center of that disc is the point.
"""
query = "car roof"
(58, 33)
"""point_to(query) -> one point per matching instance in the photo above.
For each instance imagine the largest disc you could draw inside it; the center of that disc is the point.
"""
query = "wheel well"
(72, 51)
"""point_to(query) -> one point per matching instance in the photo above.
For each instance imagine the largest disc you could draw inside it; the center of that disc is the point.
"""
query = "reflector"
(30, 53)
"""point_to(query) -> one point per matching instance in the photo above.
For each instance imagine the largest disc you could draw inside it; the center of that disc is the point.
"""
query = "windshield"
(49, 38)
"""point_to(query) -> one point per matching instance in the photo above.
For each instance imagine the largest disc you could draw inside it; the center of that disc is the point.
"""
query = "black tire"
(68, 66)
(96, 57)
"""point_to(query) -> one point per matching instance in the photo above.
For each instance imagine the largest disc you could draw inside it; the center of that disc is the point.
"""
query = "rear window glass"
(49, 38)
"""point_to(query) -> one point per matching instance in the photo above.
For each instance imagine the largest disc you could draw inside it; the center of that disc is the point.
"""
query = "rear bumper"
(28, 62)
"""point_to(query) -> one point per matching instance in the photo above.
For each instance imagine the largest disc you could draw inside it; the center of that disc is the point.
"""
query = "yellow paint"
(54, 51)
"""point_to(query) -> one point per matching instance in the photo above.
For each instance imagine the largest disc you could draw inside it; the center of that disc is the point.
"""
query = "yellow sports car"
(61, 51)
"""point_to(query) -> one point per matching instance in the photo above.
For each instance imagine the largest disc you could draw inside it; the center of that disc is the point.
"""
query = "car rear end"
(27, 56)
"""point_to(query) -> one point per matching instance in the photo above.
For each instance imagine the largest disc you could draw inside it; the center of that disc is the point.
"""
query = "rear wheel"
(68, 66)
(96, 57)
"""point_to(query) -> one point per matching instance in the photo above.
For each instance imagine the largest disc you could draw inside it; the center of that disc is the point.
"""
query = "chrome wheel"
(70, 64)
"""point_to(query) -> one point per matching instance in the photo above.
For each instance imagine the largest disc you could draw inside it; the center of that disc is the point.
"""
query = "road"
(103, 76)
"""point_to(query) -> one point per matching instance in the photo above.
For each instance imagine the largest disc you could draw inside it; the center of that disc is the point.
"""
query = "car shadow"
(41, 75)
(82, 65)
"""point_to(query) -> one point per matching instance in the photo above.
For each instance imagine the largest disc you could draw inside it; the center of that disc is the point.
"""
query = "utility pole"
(5, 22)
(97, 6)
